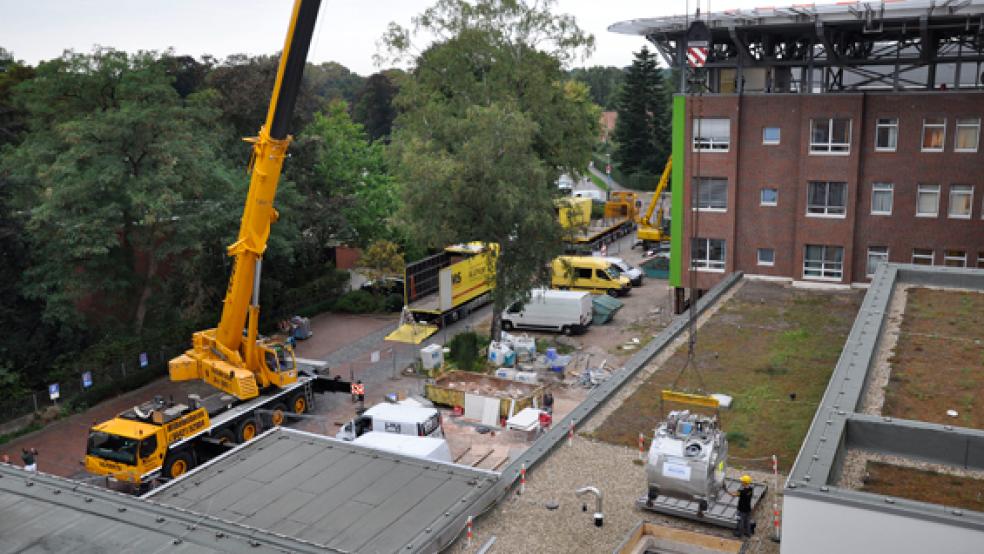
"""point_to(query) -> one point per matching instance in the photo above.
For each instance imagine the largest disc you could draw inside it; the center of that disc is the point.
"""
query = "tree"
(13, 121)
(487, 124)
(642, 131)
(349, 193)
(383, 259)
(123, 186)
(604, 83)
(374, 106)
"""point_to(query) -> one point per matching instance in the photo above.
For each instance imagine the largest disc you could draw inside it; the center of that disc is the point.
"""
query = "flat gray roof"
(42, 513)
(329, 494)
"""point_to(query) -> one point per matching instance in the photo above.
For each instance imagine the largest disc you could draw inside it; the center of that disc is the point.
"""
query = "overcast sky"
(346, 33)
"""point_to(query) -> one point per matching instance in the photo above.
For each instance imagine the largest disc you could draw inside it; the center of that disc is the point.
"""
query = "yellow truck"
(163, 440)
(588, 273)
(447, 286)
(581, 233)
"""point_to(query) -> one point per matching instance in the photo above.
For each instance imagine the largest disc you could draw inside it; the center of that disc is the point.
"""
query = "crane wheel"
(279, 415)
(299, 404)
(178, 464)
(507, 326)
(247, 430)
(224, 436)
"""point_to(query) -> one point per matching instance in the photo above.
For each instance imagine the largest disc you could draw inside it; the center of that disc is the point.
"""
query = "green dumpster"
(604, 307)
(656, 268)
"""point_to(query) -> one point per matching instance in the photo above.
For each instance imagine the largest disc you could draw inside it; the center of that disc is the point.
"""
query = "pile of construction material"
(517, 359)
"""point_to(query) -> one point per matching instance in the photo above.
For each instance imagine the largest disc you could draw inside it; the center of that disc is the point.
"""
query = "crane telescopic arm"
(221, 356)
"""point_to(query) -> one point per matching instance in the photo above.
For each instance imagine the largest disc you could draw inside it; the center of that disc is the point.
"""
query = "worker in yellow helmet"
(744, 494)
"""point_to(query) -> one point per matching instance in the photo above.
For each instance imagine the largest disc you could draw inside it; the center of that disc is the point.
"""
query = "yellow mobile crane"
(164, 439)
(652, 233)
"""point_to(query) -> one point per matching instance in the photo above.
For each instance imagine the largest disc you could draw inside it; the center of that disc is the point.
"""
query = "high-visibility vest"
(358, 388)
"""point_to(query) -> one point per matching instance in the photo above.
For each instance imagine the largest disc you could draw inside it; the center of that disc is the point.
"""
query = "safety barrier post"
(570, 434)
(469, 530)
(777, 532)
(522, 479)
(642, 444)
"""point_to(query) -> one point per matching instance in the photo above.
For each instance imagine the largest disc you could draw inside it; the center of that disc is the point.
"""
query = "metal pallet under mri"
(722, 512)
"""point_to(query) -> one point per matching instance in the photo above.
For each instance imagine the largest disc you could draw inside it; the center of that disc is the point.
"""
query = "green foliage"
(349, 194)
(383, 259)
(359, 302)
(642, 130)
(487, 125)
(598, 181)
(374, 106)
(604, 83)
(464, 349)
(737, 438)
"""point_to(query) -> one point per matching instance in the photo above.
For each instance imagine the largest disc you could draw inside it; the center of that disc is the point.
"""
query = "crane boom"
(221, 356)
(650, 232)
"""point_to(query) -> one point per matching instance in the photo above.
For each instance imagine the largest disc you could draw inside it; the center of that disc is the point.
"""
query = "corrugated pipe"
(599, 516)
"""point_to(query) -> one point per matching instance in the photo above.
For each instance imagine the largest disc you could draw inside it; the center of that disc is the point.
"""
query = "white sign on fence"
(53, 391)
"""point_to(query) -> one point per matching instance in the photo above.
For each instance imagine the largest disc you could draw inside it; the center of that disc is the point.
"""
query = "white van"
(427, 448)
(634, 274)
(394, 418)
(569, 312)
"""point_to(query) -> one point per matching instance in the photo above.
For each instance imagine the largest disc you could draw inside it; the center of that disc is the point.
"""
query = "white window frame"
(826, 207)
(948, 258)
(696, 197)
(707, 264)
(974, 122)
(963, 192)
(980, 260)
(879, 252)
(771, 142)
(883, 187)
(827, 148)
(763, 202)
(758, 257)
(710, 145)
(931, 256)
(922, 137)
(836, 273)
(920, 189)
(880, 125)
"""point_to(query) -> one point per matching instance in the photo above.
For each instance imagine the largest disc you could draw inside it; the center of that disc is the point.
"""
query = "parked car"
(634, 274)
(565, 183)
(568, 312)
(384, 286)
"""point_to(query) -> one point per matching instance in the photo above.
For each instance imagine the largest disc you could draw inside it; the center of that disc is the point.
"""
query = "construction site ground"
(936, 364)
(766, 343)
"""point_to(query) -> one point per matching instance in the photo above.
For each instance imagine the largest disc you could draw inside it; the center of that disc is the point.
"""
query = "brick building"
(817, 141)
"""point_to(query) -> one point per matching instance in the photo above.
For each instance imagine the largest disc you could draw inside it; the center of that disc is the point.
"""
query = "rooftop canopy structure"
(816, 48)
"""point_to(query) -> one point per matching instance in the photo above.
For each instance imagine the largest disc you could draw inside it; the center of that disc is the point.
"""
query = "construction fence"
(87, 386)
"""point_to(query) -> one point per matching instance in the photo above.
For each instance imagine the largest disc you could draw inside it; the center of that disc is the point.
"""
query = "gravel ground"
(855, 461)
(874, 398)
(523, 524)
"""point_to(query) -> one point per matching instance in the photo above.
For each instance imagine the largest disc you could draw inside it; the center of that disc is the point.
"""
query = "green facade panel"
(676, 182)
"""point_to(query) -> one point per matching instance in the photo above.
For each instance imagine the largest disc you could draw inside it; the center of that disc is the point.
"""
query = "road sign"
(608, 169)
(358, 388)
(143, 359)
(86, 379)
(374, 357)
(53, 391)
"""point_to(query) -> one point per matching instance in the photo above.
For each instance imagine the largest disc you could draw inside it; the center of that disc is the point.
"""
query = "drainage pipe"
(599, 516)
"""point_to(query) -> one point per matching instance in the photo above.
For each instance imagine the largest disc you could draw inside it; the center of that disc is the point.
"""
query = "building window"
(928, 201)
(766, 256)
(823, 262)
(826, 199)
(769, 197)
(881, 198)
(955, 258)
(922, 256)
(830, 136)
(961, 201)
(707, 254)
(968, 134)
(712, 134)
(770, 135)
(876, 255)
(886, 134)
(934, 134)
(712, 194)
(980, 260)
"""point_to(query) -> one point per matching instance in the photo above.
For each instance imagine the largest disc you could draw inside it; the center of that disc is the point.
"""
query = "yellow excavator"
(652, 233)
(164, 439)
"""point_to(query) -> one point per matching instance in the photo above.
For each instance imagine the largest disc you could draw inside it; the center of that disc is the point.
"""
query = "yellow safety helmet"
(746, 480)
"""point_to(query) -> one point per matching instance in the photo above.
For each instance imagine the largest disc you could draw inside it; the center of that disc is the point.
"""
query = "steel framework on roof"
(894, 45)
